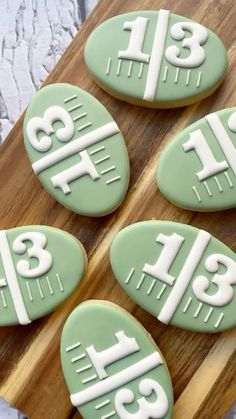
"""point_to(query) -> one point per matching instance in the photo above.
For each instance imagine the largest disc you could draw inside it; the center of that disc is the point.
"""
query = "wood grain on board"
(202, 366)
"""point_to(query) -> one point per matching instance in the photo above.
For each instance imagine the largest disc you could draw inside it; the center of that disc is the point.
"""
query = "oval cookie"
(178, 273)
(38, 271)
(76, 149)
(155, 59)
(112, 367)
(197, 169)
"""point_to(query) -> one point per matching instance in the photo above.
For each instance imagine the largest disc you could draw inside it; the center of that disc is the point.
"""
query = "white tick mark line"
(82, 115)
(73, 108)
(161, 292)
(109, 415)
(70, 348)
(86, 380)
(140, 282)
(165, 74)
(129, 276)
(84, 126)
(196, 193)
(199, 79)
(218, 184)
(3, 300)
(208, 315)
(87, 367)
(108, 66)
(219, 320)
(49, 285)
(228, 179)
(60, 283)
(177, 75)
(102, 159)
(108, 170)
(198, 310)
(119, 67)
(40, 289)
(78, 358)
(130, 68)
(140, 71)
(70, 98)
(188, 78)
(151, 287)
(102, 404)
(114, 179)
(96, 150)
(187, 305)
(29, 291)
(207, 188)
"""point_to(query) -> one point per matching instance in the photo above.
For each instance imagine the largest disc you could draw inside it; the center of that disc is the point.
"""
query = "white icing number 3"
(45, 124)
(37, 251)
(157, 409)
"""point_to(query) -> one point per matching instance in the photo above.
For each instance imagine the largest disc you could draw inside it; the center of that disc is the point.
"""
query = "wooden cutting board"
(203, 367)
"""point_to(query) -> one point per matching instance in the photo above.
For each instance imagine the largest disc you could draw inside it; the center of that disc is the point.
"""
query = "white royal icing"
(138, 29)
(45, 124)
(123, 348)
(155, 410)
(12, 281)
(83, 168)
(182, 282)
(117, 380)
(76, 146)
(193, 43)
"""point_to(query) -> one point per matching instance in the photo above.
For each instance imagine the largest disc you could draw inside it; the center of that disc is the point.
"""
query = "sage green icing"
(136, 245)
(176, 170)
(110, 37)
(87, 196)
(95, 323)
(68, 261)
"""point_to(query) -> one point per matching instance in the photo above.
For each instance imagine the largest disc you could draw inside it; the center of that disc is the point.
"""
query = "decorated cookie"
(112, 367)
(155, 59)
(40, 267)
(178, 273)
(76, 150)
(198, 168)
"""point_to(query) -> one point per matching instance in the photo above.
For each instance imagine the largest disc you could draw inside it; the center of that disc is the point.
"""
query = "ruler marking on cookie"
(109, 415)
(29, 291)
(188, 78)
(208, 315)
(130, 68)
(161, 291)
(198, 310)
(68, 99)
(177, 75)
(102, 159)
(85, 368)
(157, 54)
(59, 282)
(228, 179)
(70, 348)
(87, 380)
(119, 67)
(219, 320)
(140, 282)
(196, 193)
(199, 79)
(151, 287)
(12, 280)
(108, 170)
(187, 305)
(82, 115)
(73, 108)
(97, 150)
(114, 179)
(108, 66)
(49, 286)
(100, 405)
(88, 124)
(40, 289)
(3, 299)
(129, 276)
(165, 74)
(78, 358)
(140, 71)
(117, 380)
(76, 146)
(218, 183)
(207, 188)
(182, 282)
(223, 139)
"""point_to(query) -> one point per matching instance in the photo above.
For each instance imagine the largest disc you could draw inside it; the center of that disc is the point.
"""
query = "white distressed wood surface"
(33, 36)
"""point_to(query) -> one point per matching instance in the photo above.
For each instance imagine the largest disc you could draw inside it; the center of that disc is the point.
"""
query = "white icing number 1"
(224, 282)
(138, 28)
(37, 251)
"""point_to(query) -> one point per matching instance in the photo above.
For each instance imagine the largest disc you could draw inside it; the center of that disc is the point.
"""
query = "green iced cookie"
(178, 273)
(113, 368)
(37, 271)
(197, 169)
(76, 150)
(155, 59)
